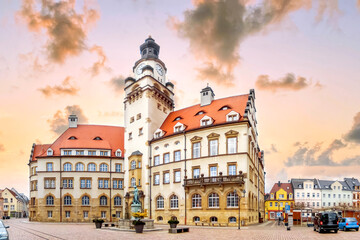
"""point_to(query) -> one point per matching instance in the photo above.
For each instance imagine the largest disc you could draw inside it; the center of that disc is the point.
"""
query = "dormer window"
(206, 121)
(50, 152)
(158, 133)
(224, 108)
(72, 138)
(232, 116)
(118, 153)
(97, 138)
(177, 119)
(199, 113)
(178, 127)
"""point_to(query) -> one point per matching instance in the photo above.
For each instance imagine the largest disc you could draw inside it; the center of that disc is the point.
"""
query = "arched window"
(232, 200)
(103, 167)
(160, 202)
(196, 219)
(159, 218)
(67, 167)
(117, 201)
(213, 200)
(103, 201)
(133, 182)
(85, 201)
(196, 201)
(213, 219)
(67, 200)
(232, 219)
(174, 201)
(133, 164)
(91, 167)
(49, 200)
(79, 167)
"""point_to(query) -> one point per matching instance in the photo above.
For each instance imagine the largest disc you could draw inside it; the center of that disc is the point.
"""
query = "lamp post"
(239, 202)
(278, 211)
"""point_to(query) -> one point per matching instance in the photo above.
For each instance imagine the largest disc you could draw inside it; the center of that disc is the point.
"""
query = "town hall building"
(199, 164)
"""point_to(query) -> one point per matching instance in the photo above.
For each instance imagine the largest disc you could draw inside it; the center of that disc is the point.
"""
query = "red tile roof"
(286, 186)
(39, 149)
(112, 139)
(192, 121)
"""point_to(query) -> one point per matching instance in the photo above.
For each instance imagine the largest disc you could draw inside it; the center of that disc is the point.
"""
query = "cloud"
(59, 122)
(66, 29)
(66, 88)
(288, 82)
(216, 28)
(2, 148)
(118, 83)
(102, 59)
(273, 148)
(216, 74)
(354, 134)
(36, 66)
(305, 156)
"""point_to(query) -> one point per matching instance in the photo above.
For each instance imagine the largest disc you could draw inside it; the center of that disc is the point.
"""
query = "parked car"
(4, 235)
(348, 223)
(326, 221)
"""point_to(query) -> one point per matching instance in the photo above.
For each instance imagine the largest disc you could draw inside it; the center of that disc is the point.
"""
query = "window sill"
(214, 208)
(200, 208)
(159, 209)
(174, 209)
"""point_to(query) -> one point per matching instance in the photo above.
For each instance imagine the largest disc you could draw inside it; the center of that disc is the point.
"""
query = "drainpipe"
(185, 176)
(110, 184)
(60, 187)
(150, 183)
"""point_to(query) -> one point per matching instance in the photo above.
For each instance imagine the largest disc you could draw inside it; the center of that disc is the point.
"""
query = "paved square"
(23, 229)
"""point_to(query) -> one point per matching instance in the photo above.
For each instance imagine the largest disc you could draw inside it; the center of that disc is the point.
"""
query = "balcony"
(218, 180)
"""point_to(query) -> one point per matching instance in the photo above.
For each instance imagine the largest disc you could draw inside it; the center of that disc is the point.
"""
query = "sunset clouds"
(66, 29)
(100, 63)
(59, 122)
(288, 82)
(117, 83)
(354, 134)
(66, 88)
(216, 29)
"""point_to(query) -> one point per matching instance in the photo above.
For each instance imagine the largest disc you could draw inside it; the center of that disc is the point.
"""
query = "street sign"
(278, 214)
(287, 208)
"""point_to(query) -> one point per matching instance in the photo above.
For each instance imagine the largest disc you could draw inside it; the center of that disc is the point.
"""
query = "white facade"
(307, 193)
(335, 194)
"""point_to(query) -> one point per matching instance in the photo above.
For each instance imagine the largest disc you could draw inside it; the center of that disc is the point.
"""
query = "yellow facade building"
(280, 196)
(13, 203)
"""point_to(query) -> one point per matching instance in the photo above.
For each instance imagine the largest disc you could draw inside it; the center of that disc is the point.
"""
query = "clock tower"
(149, 98)
(149, 51)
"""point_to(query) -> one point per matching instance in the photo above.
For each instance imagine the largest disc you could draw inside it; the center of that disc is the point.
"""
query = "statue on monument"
(136, 196)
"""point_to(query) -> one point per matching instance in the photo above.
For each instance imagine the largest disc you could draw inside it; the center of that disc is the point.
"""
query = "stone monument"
(136, 205)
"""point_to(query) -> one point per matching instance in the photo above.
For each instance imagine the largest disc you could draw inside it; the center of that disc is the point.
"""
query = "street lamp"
(239, 202)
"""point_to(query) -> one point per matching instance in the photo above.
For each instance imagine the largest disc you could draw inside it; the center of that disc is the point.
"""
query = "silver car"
(4, 235)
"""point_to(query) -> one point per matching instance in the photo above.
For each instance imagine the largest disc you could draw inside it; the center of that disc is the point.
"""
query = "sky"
(302, 57)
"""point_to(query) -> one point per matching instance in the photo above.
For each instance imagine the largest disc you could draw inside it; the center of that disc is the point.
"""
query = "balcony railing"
(218, 180)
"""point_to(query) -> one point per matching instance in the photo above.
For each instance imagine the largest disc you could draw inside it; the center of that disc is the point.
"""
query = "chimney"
(73, 121)
(279, 184)
(207, 96)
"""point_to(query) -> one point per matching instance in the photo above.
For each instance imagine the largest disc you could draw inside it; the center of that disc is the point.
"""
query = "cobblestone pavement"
(23, 229)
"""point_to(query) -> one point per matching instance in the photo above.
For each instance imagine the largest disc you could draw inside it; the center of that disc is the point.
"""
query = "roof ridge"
(211, 102)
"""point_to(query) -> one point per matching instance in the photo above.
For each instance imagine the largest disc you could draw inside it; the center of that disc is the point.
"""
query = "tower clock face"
(139, 68)
(159, 69)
